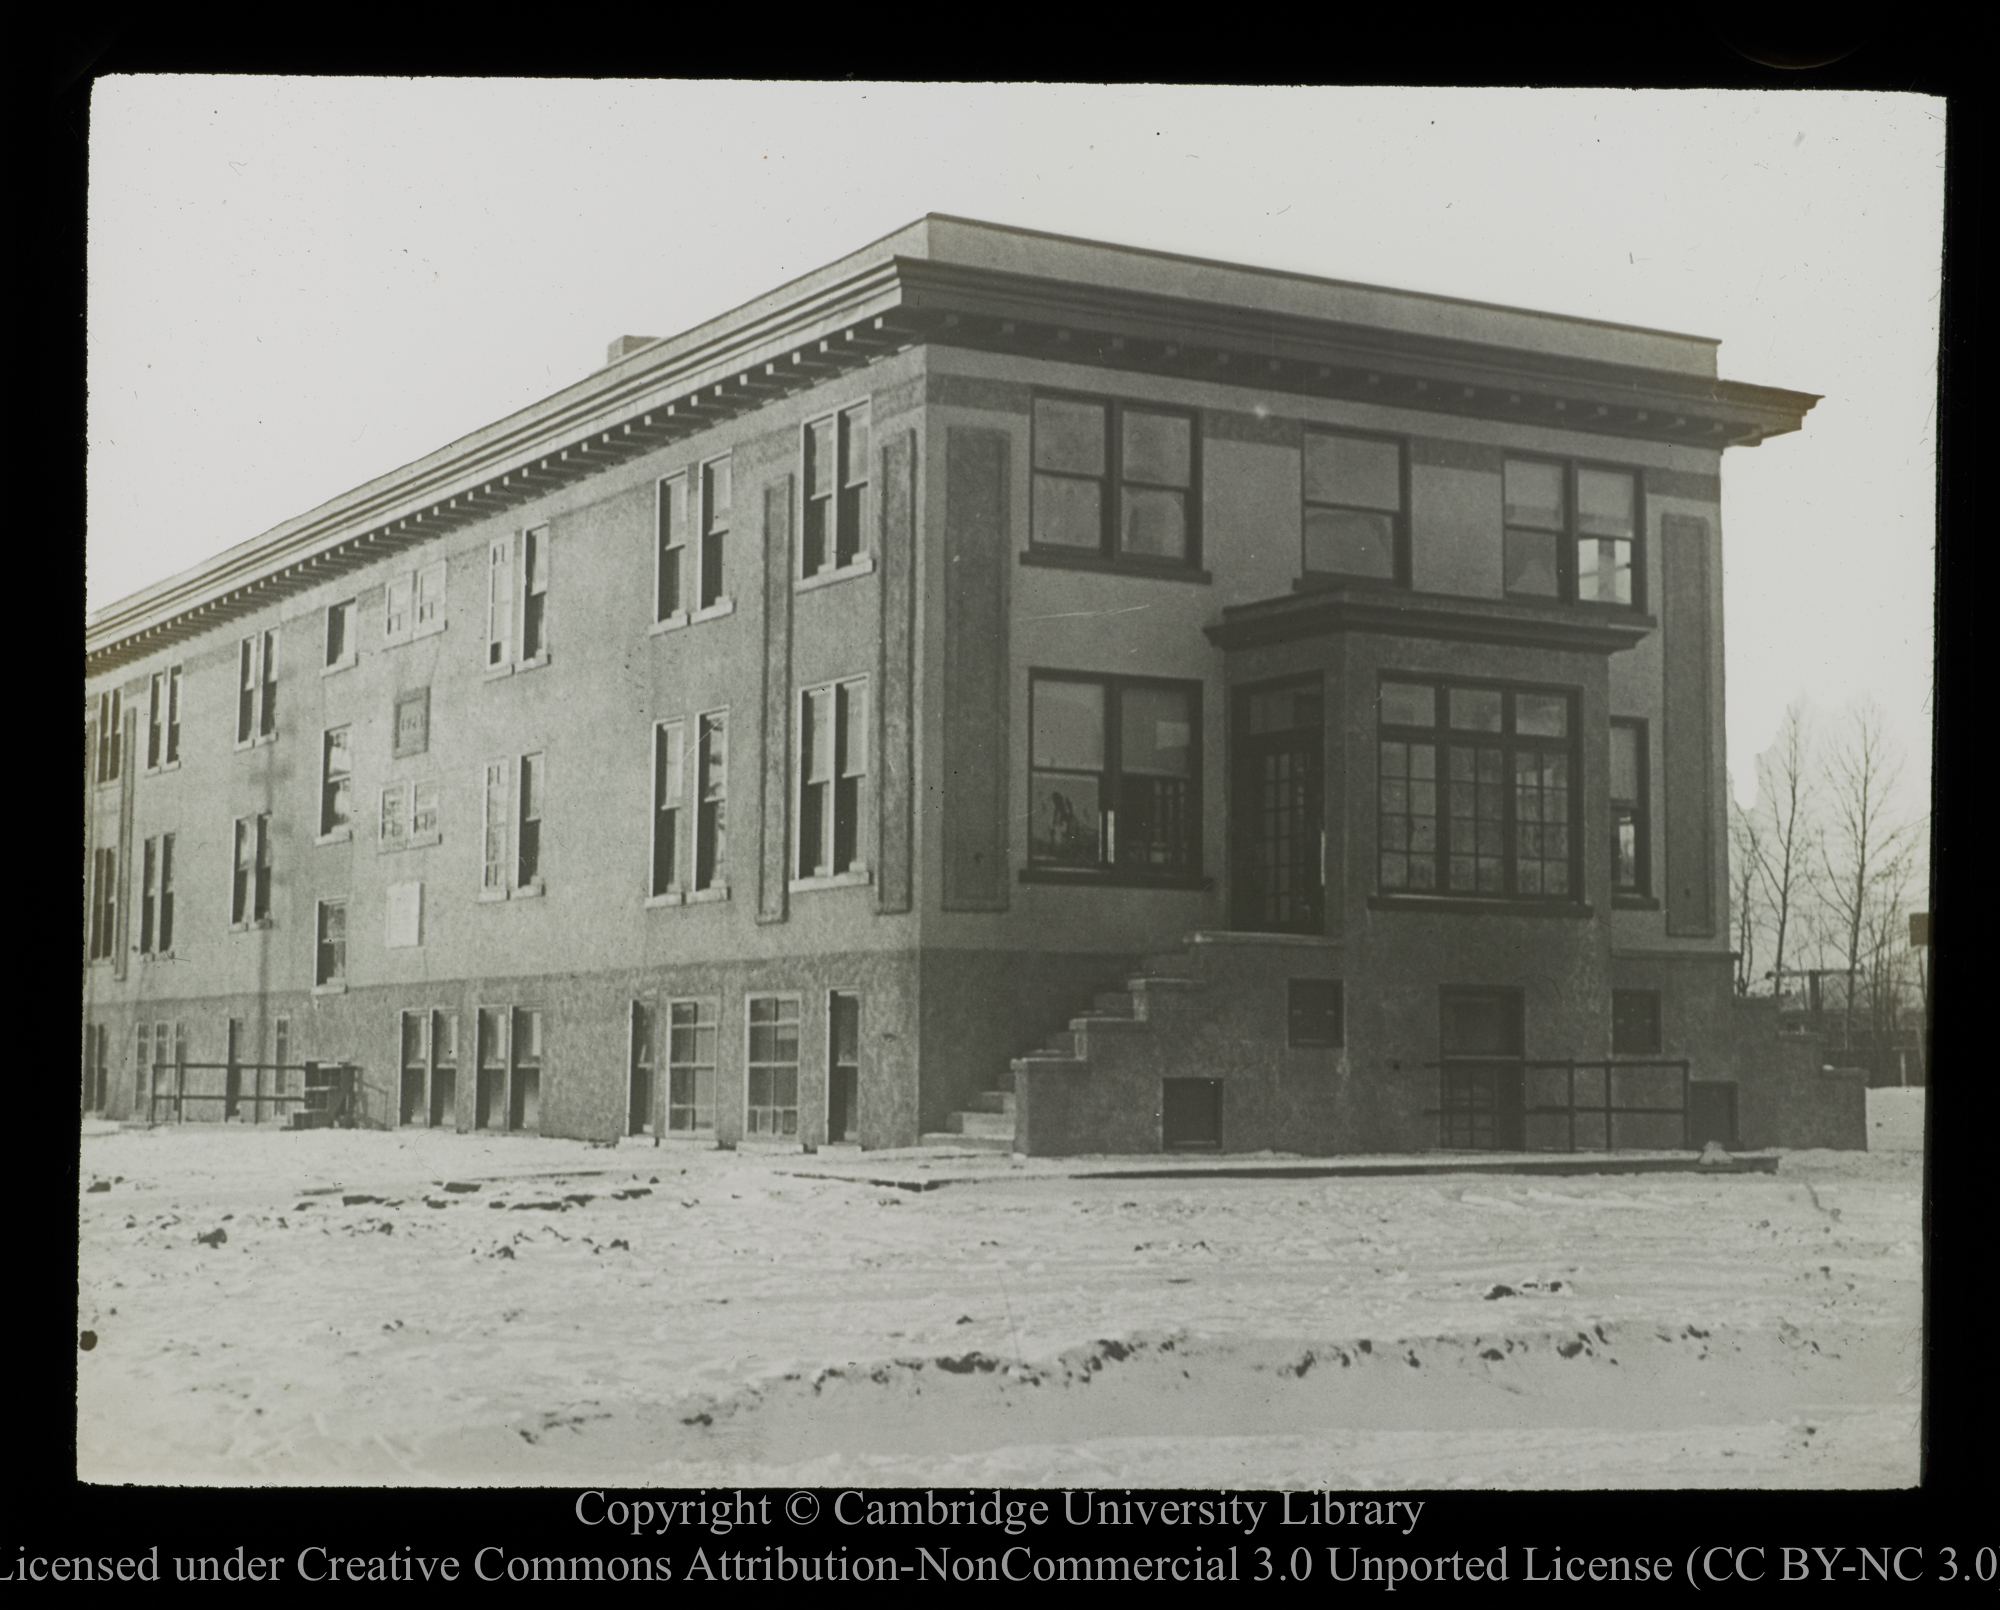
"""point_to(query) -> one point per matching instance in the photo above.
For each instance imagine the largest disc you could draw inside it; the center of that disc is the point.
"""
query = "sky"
(297, 285)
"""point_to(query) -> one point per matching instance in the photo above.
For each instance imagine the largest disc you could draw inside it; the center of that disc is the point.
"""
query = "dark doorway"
(232, 1076)
(1480, 1074)
(1711, 1113)
(843, 1083)
(1277, 810)
(1191, 1115)
(639, 1098)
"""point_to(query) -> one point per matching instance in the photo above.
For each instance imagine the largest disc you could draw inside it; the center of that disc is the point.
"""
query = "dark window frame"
(1568, 535)
(1635, 810)
(833, 524)
(1111, 780)
(1441, 736)
(1306, 1022)
(1401, 565)
(1112, 484)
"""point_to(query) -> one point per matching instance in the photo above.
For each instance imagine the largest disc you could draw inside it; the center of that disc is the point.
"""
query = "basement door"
(1278, 811)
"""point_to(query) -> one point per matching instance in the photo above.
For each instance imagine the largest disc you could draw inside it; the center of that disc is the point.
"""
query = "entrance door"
(1277, 810)
(1480, 1077)
(1191, 1115)
(843, 1086)
(1711, 1113)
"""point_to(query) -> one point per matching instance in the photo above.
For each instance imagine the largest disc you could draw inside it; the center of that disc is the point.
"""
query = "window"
(1480, 1083)
(522, 873)
(1635, 1022)
(108, 721)
(834, 533)
(524, 1078)
(669, 597)
(1630, 871)
(532, 586)
(1114, 775)
(413, 604)
(340, 644)
(409, 817)
(843, 1065)
(257, 689)
(331, 966)
(772, 1107)
(413, 723)
(1314, 1012)
(639, 1081)
(489, 1105)
(833, 761)
(336, 784)
(103, 904)
(1352, 517)
(250, 891)
(714, 533)
(163, 719)
(711, 814)
(1571, 532)
(690, 1066)
(667, 789)
(500, 603)
(142, 1067)
(1476, 791)
(1116, 480)
(156, 898)
(534, 595)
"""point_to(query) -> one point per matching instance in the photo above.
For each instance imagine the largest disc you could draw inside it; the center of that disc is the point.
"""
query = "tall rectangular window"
(103, 904)
(1629, 858)
(1115, 479)
(524, 1078)
(1476, 790)
(250, 892)
(163, 719)
(1114, 774)
(257, 688)
(108, 723)
(639, 1082)
(843, 1065)
(149, 895)
(668, 788)
(1352, 516)
(331, 966)
(715, 494)
(1571, 532)
(833, 764)
(398, 607)
(173, 749)
(528, 869)
(534, 594)
(493, 879)
(711, 828)
(430, 600)
(690, 1066)
(670, 554)
(166, 928)
(512, 815)
(336, 782)
(834, 531)
(340, 645)
(772, 1104)
(500, 603)
(142, 1069)
(489, 1110)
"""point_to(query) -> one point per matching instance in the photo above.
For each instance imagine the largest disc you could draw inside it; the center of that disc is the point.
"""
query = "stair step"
(1098, 1022)
(993, 1101)
(992, 1125)
(1050, 1062)
(1116, 1002)
(1143, 983)
(947, 1140)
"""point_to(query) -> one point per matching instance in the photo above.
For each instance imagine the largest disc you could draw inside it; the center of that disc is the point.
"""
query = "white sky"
(299, 284)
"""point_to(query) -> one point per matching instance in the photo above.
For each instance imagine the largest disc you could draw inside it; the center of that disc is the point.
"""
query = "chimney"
(625, 346)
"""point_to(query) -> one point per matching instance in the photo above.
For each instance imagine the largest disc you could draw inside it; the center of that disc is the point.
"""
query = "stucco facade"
(878, 678)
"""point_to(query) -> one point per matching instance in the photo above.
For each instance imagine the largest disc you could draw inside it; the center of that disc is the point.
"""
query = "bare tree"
(1746, 856)
(1787, 835)
(1864, 855)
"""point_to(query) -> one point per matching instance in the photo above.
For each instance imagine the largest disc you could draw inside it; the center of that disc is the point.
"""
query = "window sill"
(528, 891)
(396, 639)
(340, 835)
(492, 897)
(1083, 559)
(1444, 905)
(251, 927)
(1590, 606)
(157, 956)
(535, 664)
(670, 623)
(1116, 878)
(494, 673)
(703, 897)
(258, 742)
(724, 605)
(330, 989)
(347, 664)
(1634, 902)
(164, 767)
(860, 565)
(433, 630)
(673, 897)
(422, 842)
(859, 877)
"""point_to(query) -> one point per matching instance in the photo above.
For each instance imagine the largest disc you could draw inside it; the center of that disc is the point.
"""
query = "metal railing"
(1562, 1104)
(328, 1093)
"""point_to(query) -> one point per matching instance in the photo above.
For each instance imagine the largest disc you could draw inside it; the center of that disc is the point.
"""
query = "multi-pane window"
(534, 594)
(156, 898)
(257, 688)
(670, 553)
(1352, 516)
(690, 1066)
(108, 736)
(1571, 531)
(833, 762)
(336, 782)
(163, 719)
(668, 784)
(489, 1098)
(834, 531)
(772, 1104)
(500, 603)
(715, 494)
(103, 904)
(529, 619)
(331, 964)
(1115, 479)
(1314, 1012)
(1629, 858)
(250, 887)
(413, 604)
(524, 1078)
(1114, 778)
(340, 645)
(409, 815)
(711, 811)
(513, 813)
(430, 602)
(1635, 1022)
(1476, 791)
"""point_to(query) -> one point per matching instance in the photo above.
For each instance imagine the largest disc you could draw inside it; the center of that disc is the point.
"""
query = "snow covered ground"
(365, 1308)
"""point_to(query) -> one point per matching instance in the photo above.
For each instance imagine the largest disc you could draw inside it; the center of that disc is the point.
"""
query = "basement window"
(1315, 1013)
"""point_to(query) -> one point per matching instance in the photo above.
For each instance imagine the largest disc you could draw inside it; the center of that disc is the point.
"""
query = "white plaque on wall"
(406, 916)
